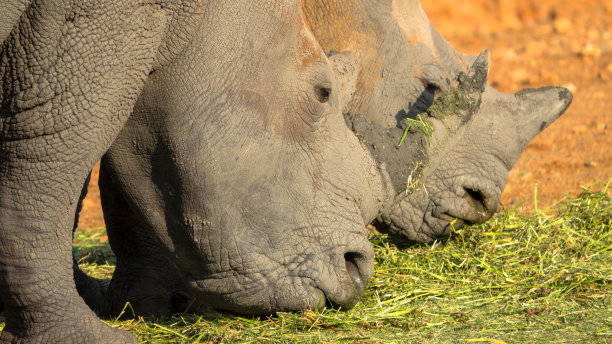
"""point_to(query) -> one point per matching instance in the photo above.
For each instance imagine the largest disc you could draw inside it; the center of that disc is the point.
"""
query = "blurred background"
(538, 43)
(533, 43)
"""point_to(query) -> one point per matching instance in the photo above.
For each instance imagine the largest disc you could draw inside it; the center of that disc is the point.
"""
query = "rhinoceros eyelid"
(431, 87)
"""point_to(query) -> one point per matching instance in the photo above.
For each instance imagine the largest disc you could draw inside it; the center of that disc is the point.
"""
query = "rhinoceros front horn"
(506, 122)
(538, 108)
(517, 118)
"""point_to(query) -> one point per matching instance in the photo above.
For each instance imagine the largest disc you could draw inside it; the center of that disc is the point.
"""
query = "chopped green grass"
(424, 126)
(542, 278)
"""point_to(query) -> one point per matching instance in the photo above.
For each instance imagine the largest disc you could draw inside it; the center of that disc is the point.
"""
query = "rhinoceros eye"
(322, 93)
(429, 94)
(434, 90)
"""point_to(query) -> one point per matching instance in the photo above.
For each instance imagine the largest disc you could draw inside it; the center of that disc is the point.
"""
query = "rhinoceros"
(245, 144)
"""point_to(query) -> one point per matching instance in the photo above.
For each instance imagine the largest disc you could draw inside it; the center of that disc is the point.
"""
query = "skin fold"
(244, 150)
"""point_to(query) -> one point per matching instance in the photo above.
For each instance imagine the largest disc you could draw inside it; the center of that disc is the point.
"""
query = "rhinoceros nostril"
(481, 205)
(475, 195)
(350, 259)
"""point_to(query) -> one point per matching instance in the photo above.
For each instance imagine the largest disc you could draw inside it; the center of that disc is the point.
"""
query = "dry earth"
(533, 43)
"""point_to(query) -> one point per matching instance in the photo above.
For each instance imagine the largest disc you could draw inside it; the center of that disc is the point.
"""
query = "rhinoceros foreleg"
(69, 82)
(143, 276)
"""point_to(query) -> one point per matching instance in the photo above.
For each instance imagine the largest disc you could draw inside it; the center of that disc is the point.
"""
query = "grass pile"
(542, 278)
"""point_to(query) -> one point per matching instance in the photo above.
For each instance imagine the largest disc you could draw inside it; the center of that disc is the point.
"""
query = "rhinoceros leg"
(91, 290)
(69, 82)
(143, 275)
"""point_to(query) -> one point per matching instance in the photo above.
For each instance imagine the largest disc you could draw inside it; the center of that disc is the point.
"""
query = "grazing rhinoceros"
(241, 162)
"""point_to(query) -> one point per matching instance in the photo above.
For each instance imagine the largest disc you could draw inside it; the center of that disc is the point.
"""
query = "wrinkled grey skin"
(240, 167)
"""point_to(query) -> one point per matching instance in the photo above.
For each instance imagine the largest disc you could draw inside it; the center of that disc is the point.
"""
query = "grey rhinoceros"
(243, 155)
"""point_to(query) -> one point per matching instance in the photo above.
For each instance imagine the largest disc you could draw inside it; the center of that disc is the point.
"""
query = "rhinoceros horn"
(508, 122)
(465, 100)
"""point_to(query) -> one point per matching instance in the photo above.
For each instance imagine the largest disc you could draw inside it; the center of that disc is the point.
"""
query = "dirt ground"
(533, 43)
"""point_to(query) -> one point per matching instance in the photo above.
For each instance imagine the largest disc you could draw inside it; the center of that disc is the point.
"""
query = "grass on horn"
(542, 278)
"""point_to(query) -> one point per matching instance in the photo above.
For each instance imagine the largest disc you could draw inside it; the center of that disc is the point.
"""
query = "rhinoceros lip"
(353, 271)
(317, 299)
(436, 220)
(451, 220)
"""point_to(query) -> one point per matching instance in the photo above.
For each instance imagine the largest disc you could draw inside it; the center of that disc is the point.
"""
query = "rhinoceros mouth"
(452, 222)
(257, 300)
(268, 301)
(313, 281)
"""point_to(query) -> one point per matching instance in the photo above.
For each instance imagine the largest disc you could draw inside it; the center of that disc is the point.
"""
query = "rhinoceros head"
(238, 160)
(459, 137)
(465, 143)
